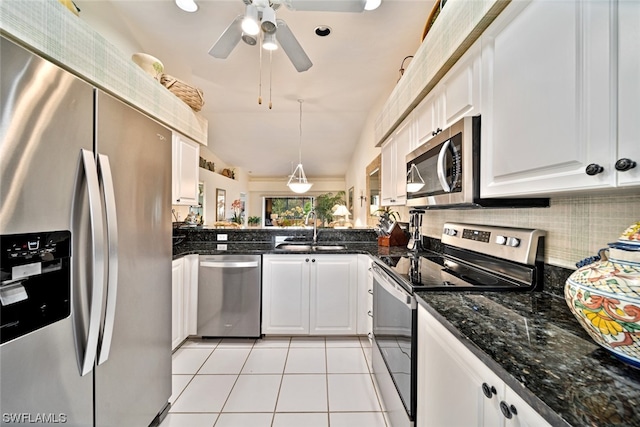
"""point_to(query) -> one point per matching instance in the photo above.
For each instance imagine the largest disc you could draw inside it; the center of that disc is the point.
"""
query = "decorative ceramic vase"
(605, 297)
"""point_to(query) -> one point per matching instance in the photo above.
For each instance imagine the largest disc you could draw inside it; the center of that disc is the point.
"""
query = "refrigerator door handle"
(98, 263)
(108, 194)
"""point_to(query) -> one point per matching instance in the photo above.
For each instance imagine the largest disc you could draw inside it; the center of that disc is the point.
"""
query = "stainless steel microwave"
(449, 166)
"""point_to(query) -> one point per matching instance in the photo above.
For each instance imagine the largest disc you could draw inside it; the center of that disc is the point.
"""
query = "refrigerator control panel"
(35, 282)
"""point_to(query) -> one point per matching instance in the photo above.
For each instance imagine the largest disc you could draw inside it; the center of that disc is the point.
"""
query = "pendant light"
(298, 180)
(414, 183)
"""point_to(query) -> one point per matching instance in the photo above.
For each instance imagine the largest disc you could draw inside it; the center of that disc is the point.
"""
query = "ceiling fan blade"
(228, 39)
(291, 47)
(325, 6)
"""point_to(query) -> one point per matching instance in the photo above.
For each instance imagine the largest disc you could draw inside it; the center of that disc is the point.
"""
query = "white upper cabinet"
(628, 91)
(455, 96)
(394, 165)
(549, 98)
(185, 164)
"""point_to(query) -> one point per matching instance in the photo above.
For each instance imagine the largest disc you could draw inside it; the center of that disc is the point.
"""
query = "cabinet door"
(285, 294)
(365, 296)
(334, 294)
(525, 415)
(461, 88)
(402, 141)
(546, 99)
(427, 116)
(191, 264)
(450, 381)
(186, 159)
(629, 89)
(177, 302)
(388, 173)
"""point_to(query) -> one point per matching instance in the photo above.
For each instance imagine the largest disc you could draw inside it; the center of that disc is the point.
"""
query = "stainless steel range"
(475, 258)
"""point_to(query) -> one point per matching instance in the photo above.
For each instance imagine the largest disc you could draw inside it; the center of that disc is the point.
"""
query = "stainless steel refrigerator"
(85, 292)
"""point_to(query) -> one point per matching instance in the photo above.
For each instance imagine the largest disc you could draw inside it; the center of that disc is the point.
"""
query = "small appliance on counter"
(415, 225)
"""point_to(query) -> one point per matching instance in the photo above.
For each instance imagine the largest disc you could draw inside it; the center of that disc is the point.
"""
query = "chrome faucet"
(315, 225)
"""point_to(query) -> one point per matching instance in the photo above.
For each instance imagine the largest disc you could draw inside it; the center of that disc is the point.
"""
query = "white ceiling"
(353, 68)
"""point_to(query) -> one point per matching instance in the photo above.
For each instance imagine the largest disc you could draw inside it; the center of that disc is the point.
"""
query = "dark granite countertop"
(533, 340)
(530, 340)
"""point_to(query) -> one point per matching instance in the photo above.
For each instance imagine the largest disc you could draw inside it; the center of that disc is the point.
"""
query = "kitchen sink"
(307, 247)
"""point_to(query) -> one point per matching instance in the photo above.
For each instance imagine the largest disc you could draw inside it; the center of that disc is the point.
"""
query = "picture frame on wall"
(221, 195)
(350, 201)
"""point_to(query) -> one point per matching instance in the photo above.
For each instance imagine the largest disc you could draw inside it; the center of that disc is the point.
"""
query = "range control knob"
(450, 231)
(513, 242)
(501, 240)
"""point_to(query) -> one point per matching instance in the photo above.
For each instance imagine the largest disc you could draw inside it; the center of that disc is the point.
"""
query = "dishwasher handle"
(229, 264)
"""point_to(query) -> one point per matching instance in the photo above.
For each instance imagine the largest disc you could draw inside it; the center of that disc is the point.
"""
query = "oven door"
(394, 334)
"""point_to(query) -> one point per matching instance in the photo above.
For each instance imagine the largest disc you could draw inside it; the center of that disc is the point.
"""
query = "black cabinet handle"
(594, 169)
(313, 260)
(370, 291)
(488, 391)
(369, 313)
(435, 132)
(306, 260)
(624, 165)
(508, 410)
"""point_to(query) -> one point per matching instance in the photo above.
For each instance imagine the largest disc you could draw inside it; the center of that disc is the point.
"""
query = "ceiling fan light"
(187, 5)
(250, 21)
(269, 42)
(268, 24)
(249, 39)
(372, 4)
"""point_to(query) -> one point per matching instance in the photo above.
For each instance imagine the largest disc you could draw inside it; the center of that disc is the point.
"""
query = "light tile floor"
(274, 382)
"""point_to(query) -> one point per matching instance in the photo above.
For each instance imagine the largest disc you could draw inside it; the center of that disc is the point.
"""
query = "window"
(286, 211)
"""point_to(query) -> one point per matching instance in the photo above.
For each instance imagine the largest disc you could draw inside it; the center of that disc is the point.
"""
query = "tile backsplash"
(576, 226)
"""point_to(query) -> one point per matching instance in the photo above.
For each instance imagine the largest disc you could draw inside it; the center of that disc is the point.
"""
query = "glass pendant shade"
(269, 42)
(414, 179)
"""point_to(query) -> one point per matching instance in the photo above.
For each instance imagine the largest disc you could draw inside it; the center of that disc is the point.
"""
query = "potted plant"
(388, 213)
(325, 203)
(254, 221)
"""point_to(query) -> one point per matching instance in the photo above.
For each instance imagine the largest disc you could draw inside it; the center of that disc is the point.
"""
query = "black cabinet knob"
(306, 260)
(313, 260)
(506, 411)
(594, 169)
(624, 165)
(488, 391)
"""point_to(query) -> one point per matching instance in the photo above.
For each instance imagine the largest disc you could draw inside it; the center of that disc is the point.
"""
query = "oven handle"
(441, 166)
(392, 287)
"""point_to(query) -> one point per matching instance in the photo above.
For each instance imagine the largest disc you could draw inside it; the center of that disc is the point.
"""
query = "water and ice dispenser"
(35, 282)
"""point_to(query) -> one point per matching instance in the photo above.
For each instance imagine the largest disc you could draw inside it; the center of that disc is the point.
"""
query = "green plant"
(254, 220)
(389, 213)
(325, 203)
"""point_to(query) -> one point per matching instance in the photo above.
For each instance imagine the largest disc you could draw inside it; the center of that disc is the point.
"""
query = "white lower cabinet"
(309, 294)
(184, 298)
(453, 385)
(177, 303)
(365, 296)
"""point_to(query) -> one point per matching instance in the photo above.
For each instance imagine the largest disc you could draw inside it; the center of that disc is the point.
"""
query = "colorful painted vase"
(605, 297)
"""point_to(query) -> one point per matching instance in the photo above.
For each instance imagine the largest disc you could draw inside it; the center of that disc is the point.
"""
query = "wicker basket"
(191, 96)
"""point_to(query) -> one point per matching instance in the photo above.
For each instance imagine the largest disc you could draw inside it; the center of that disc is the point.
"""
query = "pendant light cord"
(300, 144)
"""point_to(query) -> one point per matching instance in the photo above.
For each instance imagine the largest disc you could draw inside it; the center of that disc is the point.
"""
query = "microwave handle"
(441, 165)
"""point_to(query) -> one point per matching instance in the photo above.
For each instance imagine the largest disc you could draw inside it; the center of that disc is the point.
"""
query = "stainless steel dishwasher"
(229, 293)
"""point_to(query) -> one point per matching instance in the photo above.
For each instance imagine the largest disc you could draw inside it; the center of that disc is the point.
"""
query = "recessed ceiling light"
(187, 5)
(323, 31)
(372, 4)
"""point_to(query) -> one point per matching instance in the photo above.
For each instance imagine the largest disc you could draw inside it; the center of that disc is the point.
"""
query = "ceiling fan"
(260, 20)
